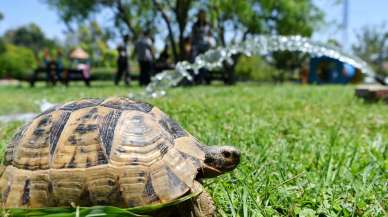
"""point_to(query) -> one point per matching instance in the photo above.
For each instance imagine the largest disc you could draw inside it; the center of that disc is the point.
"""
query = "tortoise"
(113, 151)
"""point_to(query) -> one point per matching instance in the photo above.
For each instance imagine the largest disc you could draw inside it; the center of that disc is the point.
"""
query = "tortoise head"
(218, 160)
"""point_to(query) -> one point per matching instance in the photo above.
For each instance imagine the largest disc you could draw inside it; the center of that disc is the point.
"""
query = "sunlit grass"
(307, 150)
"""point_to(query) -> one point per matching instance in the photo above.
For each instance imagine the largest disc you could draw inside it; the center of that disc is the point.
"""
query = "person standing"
(122, 65)
(201, 35)
(49, 65)
(163, 62)
(145, 57)
(59, 66)
(202, 41)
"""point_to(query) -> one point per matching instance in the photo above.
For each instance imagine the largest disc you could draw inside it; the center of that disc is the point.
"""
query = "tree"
(2, 44)
(240, 19)
(287, 17)
(30, 36)
(372, 46)
(94, 40)
(175, 15)
(129, 16)
(245, 17)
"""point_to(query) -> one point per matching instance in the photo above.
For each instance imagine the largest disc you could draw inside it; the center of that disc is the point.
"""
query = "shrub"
(2, 46)
(256, 69)
(16, 62)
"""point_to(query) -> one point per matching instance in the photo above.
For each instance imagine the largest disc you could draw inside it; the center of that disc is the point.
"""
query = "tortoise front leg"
(201, 206)
(204, 205)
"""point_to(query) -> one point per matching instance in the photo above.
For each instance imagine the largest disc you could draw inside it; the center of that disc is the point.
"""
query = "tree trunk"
(122, 14)
(221, 31)
(181, 12)
(170, 32)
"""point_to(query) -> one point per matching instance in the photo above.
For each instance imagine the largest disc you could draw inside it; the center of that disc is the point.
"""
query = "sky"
(361, 13)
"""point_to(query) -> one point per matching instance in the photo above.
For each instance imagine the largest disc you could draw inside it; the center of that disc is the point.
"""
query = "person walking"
(145, 57)
(202, 41)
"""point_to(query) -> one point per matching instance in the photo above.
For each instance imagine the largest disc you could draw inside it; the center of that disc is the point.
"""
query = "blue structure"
(326, 70)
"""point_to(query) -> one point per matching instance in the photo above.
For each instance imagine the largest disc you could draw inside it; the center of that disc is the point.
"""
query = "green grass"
(307, 150)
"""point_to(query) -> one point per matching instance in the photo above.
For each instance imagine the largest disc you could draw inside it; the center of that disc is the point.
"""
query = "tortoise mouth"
(213, 169)
(206, 171)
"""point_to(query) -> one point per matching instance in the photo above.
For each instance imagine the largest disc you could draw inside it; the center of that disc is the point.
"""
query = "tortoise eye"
(226, 154)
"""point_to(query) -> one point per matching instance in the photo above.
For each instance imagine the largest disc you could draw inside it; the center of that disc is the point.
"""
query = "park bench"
(372, 92)
(68, 74)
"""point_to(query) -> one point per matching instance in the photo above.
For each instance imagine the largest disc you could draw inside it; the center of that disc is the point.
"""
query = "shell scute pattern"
(33, 146)
(172, 127)
(75, 105)
(123, 103)
(113, 151)
(107, 128)
(12, 146)
(137, 139)
(79, 144)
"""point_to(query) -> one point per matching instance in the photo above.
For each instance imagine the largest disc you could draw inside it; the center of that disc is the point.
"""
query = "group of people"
(53, 67)
(200, 41)
(145, 57)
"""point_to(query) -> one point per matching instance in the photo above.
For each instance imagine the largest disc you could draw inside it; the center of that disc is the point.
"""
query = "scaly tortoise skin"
(113, 151)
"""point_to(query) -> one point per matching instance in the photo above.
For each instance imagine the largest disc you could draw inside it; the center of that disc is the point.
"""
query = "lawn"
(307, 150)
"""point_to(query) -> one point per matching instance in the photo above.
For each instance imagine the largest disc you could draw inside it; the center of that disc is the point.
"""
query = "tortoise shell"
(93, 151)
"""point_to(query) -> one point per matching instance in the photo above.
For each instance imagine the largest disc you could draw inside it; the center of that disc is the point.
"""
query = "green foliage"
(283, 17)
(2, 45)
(142, 211)
(70, 10)
(103, 73)
(129, 16)
(30, 36)
(227, 17)
(291, 17)
(94, 40)
(294, 16)
(372, 46)
(16, 61)
(255, 69)
(108, 58)
(306, 150)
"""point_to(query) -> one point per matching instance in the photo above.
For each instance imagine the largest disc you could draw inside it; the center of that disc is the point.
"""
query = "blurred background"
(37, 33)
(309, 146)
